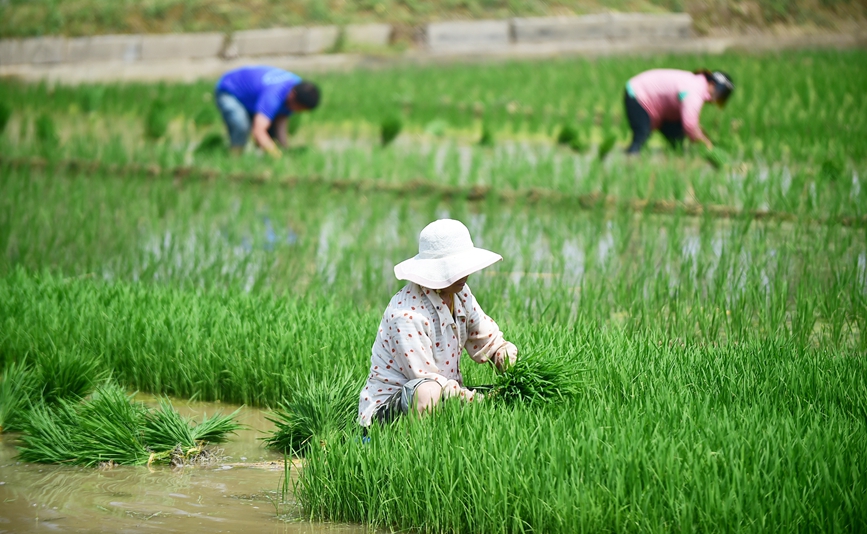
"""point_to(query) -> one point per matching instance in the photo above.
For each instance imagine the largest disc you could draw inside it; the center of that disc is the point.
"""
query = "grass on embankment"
(88, 17)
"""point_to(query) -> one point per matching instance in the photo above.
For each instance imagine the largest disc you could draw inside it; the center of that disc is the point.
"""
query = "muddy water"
(234, 495)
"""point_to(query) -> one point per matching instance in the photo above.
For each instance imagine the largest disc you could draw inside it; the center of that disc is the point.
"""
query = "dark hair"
(307, 94)
(721, 81)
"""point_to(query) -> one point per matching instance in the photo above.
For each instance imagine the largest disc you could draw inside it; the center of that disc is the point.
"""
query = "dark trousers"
(639, 121)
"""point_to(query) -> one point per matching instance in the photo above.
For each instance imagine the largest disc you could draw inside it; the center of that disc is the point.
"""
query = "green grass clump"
(5, 115)
(156, 120)
(389, 129)
(46, 131)
(316, 409)
(109, 428)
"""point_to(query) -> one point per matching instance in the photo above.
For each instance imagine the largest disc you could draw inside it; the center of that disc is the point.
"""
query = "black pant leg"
(639, 121)
(673, 131)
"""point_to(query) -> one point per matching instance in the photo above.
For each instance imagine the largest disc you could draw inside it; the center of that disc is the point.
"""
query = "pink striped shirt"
(670, 95)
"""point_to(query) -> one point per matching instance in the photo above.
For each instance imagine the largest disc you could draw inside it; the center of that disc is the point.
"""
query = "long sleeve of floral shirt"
(419, 338)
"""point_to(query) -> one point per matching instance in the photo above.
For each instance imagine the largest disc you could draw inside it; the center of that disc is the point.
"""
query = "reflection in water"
(235, 496)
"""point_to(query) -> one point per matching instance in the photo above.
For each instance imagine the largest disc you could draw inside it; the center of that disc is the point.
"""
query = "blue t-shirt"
(260, 89)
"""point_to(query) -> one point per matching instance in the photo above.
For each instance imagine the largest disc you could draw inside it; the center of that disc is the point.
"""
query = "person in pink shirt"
(670, 101)
(429, 323)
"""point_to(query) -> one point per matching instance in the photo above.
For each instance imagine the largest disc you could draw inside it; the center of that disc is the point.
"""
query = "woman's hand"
(506, 356)
(453, 389)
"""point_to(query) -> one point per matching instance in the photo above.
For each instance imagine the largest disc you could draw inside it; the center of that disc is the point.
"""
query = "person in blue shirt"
(258, 100)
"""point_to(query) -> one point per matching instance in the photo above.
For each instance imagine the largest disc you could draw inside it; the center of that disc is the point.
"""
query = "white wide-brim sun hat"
(445, 255)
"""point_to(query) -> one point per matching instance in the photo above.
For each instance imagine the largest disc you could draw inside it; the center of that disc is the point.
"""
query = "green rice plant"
(156, 120)
(70, 374)
(831, 170)
(5, 115)
(537, 377)
(567, 134)
(211, 143)
(206, 116)
(165, 429)
(18, 390)
(389, 129)
(315, 409)
(294, 124)
(108, 428)
(607, 144)
(716, 156)
(91, 98)
(579, 144)
(46, 131)
(487, 137)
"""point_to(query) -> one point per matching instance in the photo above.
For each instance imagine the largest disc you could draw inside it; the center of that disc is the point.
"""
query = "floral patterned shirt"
(419, 338)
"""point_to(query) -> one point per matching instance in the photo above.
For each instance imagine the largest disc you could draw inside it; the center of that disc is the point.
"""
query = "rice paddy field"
(706, 314)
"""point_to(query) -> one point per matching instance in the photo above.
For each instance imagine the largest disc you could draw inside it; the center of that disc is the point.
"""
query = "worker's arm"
(690, 110)
(485, 341)
(280, 125)
(261, 123)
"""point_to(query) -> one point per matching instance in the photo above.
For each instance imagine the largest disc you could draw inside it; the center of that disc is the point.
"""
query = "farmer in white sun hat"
(426, 327)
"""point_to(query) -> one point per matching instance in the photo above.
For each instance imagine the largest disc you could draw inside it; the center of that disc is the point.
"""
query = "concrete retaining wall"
(468, 35)
(367, 34)
(457, 37)
(188, 45)
(612, 26)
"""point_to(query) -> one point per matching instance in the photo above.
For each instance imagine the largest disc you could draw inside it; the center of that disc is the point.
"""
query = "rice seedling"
(18, 390)
(107, 428)
(389, 130)
(213, 142)
(67, 374)
(537, 377)
(487, 137)
(156, 120)
(5, 114)
(206, 116)
(316, 409)
(716, 157)
(607, 144)
(46, 131)
(567, 134)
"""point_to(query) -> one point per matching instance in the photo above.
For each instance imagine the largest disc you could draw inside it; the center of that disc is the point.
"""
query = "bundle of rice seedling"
(46, 132)
(17, 391)
(166, 429)
(606, 145)
(205, 117)
(109, 428)
(389, 129)
(213, 142)
(5, 115)
(294, 123)
(716, 157)
(567, 135)
(317, 408)
(487, 138)
(68, 374)
(91, 99)
(536, 377)
(156, 120)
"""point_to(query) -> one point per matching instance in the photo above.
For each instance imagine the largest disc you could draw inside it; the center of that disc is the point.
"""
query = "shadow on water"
(236, 495)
